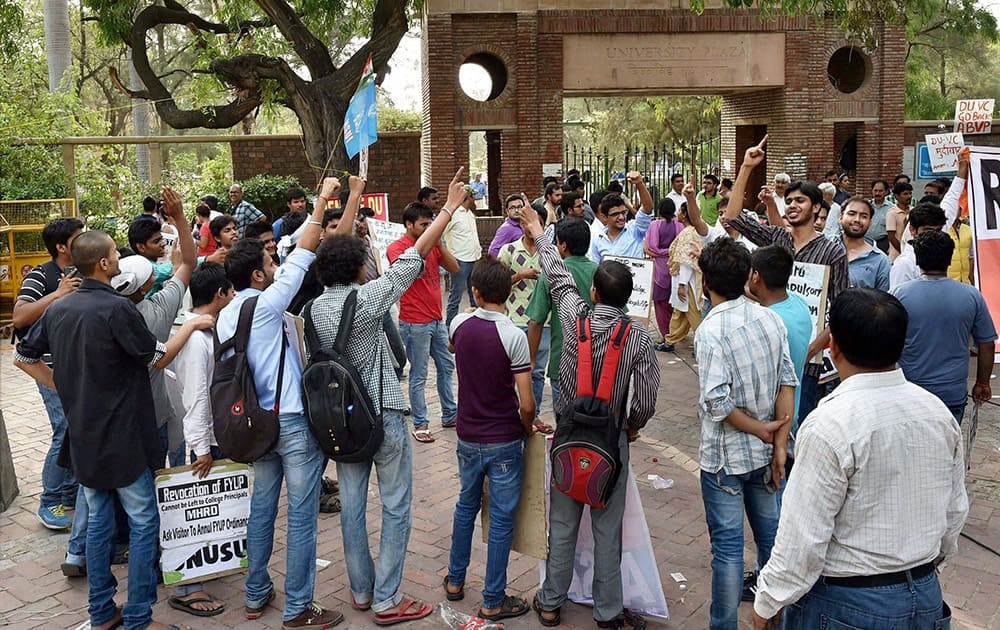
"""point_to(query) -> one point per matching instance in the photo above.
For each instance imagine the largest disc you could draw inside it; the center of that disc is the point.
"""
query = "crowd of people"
(110, 332)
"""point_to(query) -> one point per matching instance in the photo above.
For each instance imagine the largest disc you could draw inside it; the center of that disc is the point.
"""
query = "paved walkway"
(34, 594)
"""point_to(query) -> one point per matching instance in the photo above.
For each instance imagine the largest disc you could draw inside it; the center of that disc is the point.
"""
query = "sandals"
(255, 613)
(422, 435)
(543, 428)
(184, 605)
(451, 424)
(627, 617)
(548, 623)
(329, 504)
(452, 596)
(420, 610)
(510, 608)
(360, 607)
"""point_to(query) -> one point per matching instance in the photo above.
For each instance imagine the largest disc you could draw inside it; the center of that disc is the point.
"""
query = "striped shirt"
(367, 347)
(879, 487)
(743, 360)
(819, 251)
(34, 287)
(633, 397)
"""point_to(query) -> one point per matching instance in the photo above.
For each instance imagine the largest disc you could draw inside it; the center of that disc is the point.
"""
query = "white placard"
(203, 522)
(384, 234)
(553, 169)
(974, 116)
(943, 150)
(641, 299)
(810, 282)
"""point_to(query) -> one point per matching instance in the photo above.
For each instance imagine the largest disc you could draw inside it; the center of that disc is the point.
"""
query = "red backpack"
(585, 455)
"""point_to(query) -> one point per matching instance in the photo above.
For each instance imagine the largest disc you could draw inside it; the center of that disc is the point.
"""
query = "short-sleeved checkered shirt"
(517, 257)
(367, 347)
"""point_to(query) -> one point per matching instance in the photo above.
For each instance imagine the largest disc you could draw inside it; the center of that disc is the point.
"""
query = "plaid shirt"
(637, 368)
(245, 213)
(743, 360)
(367, 347)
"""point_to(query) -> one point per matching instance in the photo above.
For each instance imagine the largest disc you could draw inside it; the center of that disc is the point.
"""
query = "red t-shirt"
(421, 304)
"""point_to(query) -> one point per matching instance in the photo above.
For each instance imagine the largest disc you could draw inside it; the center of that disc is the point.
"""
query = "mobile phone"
(69, 270)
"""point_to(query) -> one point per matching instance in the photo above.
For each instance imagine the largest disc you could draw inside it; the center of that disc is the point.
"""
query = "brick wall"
(393, 166)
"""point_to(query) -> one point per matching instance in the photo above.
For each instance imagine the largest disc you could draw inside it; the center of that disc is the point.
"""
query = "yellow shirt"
(961, 261)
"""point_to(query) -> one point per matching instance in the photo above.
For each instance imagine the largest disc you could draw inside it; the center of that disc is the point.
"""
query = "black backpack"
(244, 431)
(340, 411)
(586, 460)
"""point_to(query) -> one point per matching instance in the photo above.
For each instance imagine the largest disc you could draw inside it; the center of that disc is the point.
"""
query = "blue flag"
(361, 121)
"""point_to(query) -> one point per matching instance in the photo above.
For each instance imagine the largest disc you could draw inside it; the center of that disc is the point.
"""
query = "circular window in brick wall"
(849, 69)
(482, 76)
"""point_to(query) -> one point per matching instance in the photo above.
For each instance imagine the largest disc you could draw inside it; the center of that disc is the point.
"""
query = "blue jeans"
(139, 501)
(503, 465)
(913, 605)
(726, 497)
(176, 456)
(808, 397)
(58, 484)
(956, 410)
(556, 392)
(77, 551)
(298, 460)
(378, 585)
(541, 365)
(423, 341)
(461, 281)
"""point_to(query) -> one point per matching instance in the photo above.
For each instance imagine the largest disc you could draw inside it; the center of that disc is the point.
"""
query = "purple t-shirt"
(489, 351)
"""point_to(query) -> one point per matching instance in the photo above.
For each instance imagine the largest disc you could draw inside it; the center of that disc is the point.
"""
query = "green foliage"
(32, 172)
(12, 19)
(390, 118)
(617, 123)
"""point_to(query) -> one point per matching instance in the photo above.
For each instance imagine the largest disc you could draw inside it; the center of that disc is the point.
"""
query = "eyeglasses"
(515, 207)
(615, 215)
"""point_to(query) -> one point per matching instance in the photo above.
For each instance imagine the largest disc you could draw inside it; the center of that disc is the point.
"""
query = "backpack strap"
(309, 328)
(346, 322)
(281, 366)
(612, 358)
(584, 358)
(238, 342)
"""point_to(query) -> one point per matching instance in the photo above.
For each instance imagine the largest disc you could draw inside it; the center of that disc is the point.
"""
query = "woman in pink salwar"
(660, 235)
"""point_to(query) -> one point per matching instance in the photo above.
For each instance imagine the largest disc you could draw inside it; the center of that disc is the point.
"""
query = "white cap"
(134, 272)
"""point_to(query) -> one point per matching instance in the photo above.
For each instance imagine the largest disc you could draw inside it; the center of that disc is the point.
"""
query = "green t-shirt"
(582, 269)
(709, 207)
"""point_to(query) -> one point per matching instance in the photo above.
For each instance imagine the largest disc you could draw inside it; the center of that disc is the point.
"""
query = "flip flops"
(204, 598)
(511, 607)
(543, 428)
(409, 610)
(422, 435)
(255, 613)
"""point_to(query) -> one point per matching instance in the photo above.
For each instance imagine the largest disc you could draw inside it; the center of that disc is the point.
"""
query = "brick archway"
(772, 75)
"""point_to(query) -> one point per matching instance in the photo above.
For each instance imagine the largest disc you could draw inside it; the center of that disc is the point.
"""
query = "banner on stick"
(943, 150)
(984, 216)
(974, 116)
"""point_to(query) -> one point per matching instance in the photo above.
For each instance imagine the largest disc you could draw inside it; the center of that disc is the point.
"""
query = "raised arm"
(751, 160)
(562, 287)
(693, 211)
(431, 236)
(766, 196)
(309, 239)
(174, 209)
(950, 201)
(346, 225)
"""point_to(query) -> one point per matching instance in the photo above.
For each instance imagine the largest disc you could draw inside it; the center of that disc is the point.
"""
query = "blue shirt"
(871, 270)
(480, 188)
(795, 313)
(943, 314)
(264, 347)
(627, 243)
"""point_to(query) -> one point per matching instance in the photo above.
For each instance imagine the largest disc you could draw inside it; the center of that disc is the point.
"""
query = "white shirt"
(833, 230)
(904, 268)
(596, 229)
(194, 366)
(717, 231)
(677, 198)
(780, 202)
(463, 237)
(878, 487)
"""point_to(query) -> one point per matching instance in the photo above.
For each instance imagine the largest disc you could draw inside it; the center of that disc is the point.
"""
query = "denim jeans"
(503, 465)
(461, 281)
(297, 459)
(139, 501)
(606, 524)
(378, 585)
(726, 497)
(541, 365)
(957, 410)
(77, 549)
(425, 341)
(808, 398)
(556, 392)
(58, 484)
(913, 605)
(176, 456)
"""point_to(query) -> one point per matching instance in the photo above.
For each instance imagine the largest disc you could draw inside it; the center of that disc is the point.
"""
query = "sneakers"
(54, 517)
(664, 347)
(749, 586)
(71, 570)
(314, 616)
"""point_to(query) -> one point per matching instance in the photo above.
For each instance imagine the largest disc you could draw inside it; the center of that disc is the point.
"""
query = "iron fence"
(598, 166)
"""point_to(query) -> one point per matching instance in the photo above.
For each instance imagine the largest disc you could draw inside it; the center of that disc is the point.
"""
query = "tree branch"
(389, 25)
(310, 49)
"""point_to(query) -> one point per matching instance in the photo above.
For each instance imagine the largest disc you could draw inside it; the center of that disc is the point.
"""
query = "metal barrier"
(21, 245)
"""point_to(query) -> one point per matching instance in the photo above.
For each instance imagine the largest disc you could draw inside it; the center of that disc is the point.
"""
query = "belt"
(884, 579)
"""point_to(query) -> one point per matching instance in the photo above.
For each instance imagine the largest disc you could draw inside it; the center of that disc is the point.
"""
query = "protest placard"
(384, 234)
(378, 202)
(943, 149)
(984, 215)
(974, 116)
(203, 522)
(810, 282)
(530, 536)
(641, 299)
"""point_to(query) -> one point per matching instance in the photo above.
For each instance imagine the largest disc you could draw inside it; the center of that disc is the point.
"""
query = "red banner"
(984, 214)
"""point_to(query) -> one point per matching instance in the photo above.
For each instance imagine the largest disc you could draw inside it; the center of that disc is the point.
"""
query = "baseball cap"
(134, 272)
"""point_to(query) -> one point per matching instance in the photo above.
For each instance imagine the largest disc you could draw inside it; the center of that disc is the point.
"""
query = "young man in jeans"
(40, 288)
(421, 324)
(341, 267)
(296, 457)
(496, 409)
(112, 445)
(747, 401)
(633, 397)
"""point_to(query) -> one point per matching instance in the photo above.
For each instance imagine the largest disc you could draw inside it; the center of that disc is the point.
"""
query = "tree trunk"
(58, 47)
(140, 122)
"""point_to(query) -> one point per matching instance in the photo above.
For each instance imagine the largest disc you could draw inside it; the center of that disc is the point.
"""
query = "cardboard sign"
(203, 522)
(641, 299)
(383, 234)
(974, 116)
(379, 202)
(942, 149)
(529, 519)
(811, 283)
(984, 216)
